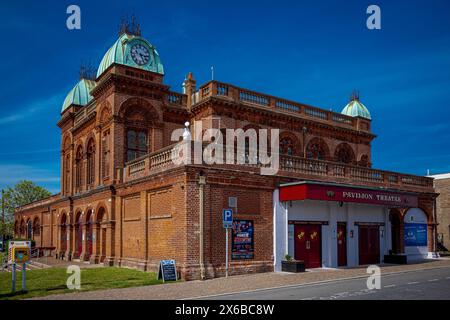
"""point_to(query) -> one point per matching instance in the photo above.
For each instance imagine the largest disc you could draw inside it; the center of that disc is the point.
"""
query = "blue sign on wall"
(416, 234)
(227, 218)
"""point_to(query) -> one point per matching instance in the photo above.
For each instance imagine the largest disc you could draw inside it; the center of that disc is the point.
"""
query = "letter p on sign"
(227, 218)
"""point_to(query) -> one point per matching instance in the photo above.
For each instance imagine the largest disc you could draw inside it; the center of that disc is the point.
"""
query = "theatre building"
(124, 202)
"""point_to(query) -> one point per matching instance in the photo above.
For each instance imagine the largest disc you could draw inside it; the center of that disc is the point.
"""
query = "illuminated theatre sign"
(330, 192)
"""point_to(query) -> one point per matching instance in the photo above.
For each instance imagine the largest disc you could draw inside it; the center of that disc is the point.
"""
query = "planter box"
(396, 258)
(293, 266)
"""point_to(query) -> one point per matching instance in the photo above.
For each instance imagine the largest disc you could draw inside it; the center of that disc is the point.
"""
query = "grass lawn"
(52, 281)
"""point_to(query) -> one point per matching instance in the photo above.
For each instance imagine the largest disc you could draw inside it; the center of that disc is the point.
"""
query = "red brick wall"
(442, 186)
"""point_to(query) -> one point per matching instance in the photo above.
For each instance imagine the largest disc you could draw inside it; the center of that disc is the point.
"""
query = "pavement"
(58, 263)
(265, 285)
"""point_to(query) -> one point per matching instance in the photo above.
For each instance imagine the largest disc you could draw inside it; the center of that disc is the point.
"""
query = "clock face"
(140, 54)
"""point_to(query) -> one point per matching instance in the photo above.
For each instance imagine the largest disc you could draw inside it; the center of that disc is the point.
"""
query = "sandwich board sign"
(167, 270)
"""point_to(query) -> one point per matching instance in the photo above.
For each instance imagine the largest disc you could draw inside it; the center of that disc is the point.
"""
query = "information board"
(167, 270)
(416, 234)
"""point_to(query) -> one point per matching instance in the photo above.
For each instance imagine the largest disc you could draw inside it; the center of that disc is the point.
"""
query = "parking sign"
(227, 218)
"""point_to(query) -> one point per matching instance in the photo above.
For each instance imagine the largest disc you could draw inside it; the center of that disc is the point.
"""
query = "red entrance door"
(308, 244)
(369, 244)
(342, 244)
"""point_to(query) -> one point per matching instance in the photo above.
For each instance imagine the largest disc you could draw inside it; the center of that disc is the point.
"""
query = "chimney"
(189, 88)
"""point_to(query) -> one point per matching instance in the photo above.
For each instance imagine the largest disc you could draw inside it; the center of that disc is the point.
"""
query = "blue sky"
(315, 52)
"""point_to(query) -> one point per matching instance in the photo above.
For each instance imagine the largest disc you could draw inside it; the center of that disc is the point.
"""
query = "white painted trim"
(440, 176)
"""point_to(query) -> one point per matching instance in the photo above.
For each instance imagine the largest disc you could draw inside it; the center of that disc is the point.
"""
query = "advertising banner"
(415, 235)
(242, 240)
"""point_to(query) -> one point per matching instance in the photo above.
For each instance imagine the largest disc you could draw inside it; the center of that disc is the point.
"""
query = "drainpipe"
(202, 183)
(435, 253)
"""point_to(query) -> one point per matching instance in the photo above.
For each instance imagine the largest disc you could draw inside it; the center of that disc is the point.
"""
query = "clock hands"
(140, 54)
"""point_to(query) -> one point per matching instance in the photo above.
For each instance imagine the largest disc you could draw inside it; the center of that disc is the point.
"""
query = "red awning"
(331, 192)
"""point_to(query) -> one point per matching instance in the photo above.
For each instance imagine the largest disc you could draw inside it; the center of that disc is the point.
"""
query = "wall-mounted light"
(351, 233)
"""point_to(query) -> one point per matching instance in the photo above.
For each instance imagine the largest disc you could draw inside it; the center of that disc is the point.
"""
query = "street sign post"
(227, 221)
(19, 252)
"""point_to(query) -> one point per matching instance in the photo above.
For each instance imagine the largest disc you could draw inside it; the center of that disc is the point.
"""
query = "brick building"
(124, 202)
(442, 187)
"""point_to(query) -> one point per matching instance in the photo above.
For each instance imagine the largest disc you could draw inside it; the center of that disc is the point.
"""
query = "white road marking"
(390, 286)
(447, 278)
(414, 282)
(433, 280)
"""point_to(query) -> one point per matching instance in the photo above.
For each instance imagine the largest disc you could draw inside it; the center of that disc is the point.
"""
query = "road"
(433, 284)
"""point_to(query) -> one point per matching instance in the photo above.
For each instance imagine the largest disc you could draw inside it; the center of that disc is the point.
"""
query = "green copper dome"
(79, 95)
(133, 51)
(356, 109)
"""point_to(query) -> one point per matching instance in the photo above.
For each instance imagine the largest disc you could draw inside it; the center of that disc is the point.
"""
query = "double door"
(308, 244)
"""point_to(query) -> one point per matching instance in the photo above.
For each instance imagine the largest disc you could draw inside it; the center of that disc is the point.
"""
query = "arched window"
(136, 143)
(90, 162)
(344, 154)
(79, 168)
(105, 154)
(317, 149)
(67, 174)
(36, 227)
(287, 146)
(364, 161)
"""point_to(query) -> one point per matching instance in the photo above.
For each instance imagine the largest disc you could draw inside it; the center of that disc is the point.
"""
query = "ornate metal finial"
(87, 71)
(129, 26)
(354, 96)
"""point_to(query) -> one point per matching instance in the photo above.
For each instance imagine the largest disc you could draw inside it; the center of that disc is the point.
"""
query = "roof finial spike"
(355, 95)
(87, 71)
(129, 26)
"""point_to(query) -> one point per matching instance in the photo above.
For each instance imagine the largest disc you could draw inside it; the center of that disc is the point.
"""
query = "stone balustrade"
(294, 167)
(236, 94)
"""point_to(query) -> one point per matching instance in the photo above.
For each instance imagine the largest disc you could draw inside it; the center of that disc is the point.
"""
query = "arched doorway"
(22, 229)
(16, 229)
(89, 232)
(63, 235)
(29, 234)
(37, 231)
(396, 231)
(101, 235)
(78, 236)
